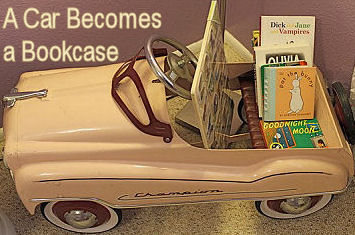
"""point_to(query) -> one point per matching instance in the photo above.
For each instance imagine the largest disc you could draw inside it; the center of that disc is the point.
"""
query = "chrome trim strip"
(191, 180)
(10, 100)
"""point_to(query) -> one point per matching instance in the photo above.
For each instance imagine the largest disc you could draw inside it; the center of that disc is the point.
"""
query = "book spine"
(265, 80)
(258, 92)
(269, 94)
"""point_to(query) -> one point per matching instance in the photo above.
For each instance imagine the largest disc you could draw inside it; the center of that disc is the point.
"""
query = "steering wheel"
(178, 65)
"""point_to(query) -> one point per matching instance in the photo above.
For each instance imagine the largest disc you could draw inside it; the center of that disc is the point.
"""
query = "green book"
(293, 134)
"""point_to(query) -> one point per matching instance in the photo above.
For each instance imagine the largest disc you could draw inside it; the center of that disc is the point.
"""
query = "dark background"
(185, 21)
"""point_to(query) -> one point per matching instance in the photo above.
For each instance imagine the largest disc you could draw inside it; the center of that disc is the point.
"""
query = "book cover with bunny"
(290, 93)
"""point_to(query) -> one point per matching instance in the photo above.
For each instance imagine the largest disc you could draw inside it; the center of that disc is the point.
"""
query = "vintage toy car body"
(77, 144)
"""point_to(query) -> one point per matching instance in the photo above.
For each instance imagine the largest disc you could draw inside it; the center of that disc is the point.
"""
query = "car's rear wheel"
(81, 216)
(292, 207)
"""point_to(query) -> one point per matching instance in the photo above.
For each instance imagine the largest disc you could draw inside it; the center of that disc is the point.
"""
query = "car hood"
(79, 106)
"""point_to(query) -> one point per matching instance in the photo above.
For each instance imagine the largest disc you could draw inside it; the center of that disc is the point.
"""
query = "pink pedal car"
(85, 143)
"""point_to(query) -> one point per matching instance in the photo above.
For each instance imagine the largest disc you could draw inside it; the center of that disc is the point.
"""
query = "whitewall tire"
(288, 209)
(81, 216)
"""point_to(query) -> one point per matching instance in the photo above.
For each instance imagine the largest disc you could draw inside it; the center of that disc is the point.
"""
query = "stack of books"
(285, 77)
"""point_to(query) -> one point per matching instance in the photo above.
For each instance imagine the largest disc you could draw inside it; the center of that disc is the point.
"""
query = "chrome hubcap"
(80, 219)
(296, 205)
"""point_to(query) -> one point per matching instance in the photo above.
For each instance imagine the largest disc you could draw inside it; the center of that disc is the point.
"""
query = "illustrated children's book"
(278, 54)
(299, 63)
(293, 134)
(289, 93)
(276, 30)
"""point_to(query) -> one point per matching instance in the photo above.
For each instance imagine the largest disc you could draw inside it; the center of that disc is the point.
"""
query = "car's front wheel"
(292, 207)
(81, 216)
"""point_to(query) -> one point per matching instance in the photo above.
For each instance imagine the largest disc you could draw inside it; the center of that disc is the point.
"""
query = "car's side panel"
(129, 184)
